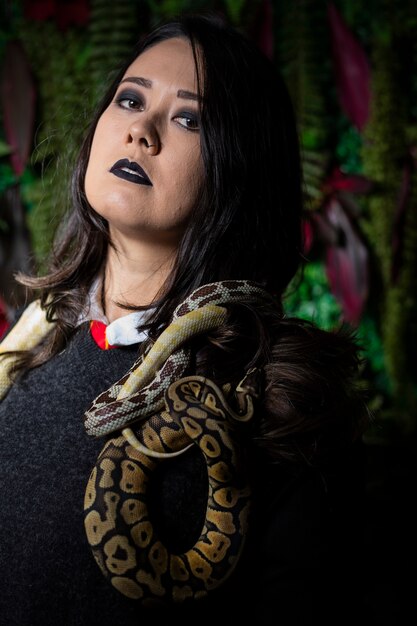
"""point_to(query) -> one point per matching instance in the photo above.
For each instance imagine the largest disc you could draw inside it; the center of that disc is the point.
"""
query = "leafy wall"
(350, 66)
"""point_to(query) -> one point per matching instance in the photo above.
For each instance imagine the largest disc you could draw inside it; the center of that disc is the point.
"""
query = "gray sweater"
(295, 567)
(47, 572)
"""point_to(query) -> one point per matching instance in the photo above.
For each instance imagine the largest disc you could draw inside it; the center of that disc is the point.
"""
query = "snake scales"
(151, 413)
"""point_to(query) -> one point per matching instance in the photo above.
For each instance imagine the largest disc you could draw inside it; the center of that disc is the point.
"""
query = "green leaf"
(234, 9)
(4, 148)
(7, 176)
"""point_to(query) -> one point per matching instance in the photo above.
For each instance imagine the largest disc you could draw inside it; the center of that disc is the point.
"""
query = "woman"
(189, 176)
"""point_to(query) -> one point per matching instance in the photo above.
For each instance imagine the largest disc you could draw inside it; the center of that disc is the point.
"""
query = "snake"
(124, 541)
(156, 411)
(140, 392)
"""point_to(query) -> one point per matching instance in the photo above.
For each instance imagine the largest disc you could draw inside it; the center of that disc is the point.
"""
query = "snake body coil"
(119, 528)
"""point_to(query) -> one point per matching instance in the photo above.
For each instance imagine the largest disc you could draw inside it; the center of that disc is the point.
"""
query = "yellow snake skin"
(118, 525)
(143, 387)
(30, 329)
(150, 378)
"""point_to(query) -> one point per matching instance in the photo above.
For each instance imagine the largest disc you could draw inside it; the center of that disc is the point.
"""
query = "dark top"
(297, 565)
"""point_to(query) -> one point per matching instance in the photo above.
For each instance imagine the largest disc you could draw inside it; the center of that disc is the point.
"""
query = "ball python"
(154, 412)
(126, 545)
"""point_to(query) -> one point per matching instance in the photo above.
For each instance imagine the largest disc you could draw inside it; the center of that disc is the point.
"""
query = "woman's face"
(145, 167)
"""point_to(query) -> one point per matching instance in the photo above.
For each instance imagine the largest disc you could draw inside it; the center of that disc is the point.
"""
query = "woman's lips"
(131, 171)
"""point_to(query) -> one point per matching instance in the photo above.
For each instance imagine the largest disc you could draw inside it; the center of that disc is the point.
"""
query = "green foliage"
(43, 219)
(4, 148)
(235, 10)
(162, 9)
(383, 154)
(7, 176)
(372, 349)
(62, 84)
(303, 50)
(73, 67)
(308, 296)
(109, 48)
(348, 147)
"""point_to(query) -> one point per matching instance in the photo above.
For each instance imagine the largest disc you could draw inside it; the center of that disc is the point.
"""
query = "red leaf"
(76, 12)
(308, 235)
(4, 318)
(352, 69)
(39, 10)
(353, 183)
(325, 231)
(262, 31)
(66, 13)
(17, 93)
(347, 264)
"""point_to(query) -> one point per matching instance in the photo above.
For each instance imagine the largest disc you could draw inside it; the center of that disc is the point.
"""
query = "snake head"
(251, 383)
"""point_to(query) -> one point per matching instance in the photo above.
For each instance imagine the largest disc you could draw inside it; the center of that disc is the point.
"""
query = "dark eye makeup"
(188, 120)
(129, 100)
(132, 101)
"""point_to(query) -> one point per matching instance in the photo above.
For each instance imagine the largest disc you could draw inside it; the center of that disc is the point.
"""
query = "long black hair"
(247, 223)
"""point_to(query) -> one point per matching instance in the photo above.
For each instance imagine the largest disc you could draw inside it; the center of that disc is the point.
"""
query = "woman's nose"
(145, 135)
(152, 148)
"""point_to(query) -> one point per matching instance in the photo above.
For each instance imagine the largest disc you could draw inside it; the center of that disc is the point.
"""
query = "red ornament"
(98, 333)
(66, 14)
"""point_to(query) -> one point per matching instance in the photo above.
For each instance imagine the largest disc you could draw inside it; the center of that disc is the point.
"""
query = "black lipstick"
(131, 171)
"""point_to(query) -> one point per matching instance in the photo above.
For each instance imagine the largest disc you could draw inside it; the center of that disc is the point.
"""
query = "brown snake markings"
(111, 411)
(125, 544)
(169, 413)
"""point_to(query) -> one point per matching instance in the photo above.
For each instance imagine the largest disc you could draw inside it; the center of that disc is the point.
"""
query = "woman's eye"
(130, 101)
(188, 121)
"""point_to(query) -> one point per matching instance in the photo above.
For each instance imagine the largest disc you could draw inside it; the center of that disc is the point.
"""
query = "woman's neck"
(134, 274)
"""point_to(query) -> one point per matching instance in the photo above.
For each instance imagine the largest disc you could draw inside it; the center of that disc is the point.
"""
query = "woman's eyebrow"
(145, 82)
(188, 95)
